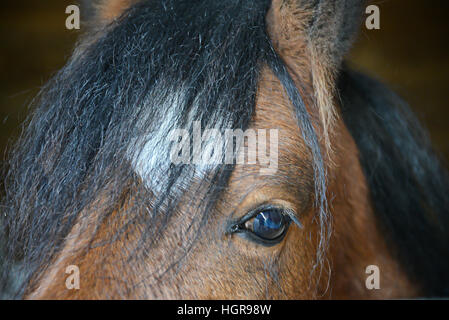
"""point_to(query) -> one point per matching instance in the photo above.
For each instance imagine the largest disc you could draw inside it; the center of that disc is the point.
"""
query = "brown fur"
(288, 26)
(233, 267)
(227, 266)
(357, 242)
(108, 10)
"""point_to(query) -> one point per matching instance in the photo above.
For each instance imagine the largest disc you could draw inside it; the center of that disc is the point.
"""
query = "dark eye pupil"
(269, 224)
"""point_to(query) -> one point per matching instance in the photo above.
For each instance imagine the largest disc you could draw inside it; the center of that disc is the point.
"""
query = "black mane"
(409, 187)
(160, 66)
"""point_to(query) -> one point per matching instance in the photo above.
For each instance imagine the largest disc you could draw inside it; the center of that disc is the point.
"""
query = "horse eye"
(269, 224)
(266, 226)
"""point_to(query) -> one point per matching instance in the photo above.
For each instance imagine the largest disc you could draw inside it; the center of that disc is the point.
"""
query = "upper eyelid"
(268, 206)
(253, 212)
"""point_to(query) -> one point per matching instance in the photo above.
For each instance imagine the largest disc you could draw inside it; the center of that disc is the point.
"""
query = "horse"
(92, 185)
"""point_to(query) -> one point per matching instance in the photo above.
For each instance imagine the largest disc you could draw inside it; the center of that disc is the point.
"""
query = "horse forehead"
(273, 108)
(150, 154)
(274, 111)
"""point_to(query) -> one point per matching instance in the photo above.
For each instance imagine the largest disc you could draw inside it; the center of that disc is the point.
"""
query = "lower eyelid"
(250, 236)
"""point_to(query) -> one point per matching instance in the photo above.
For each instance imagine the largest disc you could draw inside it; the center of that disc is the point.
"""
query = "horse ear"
(328, 25)
(319, 32)
(104, 11)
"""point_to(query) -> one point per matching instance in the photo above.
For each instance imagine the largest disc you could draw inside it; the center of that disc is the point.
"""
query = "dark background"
(409, 53)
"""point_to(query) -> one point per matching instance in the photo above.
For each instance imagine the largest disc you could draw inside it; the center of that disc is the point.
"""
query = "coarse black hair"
(409, 186)
(160, 66)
